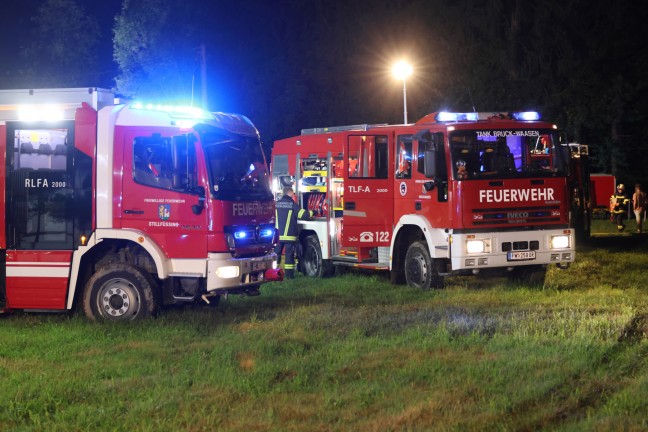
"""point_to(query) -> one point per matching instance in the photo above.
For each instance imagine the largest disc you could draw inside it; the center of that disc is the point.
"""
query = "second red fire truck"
(453, 193)
(125, 207)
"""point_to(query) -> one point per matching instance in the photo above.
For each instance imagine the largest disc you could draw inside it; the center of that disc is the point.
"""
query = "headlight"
(227, 272)
(477, 246)
(559, 242)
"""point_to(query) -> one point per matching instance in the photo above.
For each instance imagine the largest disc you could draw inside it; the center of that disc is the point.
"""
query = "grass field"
(353, 353)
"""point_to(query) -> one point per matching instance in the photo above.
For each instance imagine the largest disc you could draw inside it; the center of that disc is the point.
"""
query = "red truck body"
(602, 187)
(454, 193)
(126, 207)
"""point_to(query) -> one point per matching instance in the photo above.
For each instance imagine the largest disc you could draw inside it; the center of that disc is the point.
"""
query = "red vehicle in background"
(128, 207)
(602, 186)
(453, 193)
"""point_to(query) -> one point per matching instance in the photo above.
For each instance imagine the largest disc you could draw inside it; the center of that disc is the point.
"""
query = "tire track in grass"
(592, 393)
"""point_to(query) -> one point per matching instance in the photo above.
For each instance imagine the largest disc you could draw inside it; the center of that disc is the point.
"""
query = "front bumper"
(511, 249)
(225, 272)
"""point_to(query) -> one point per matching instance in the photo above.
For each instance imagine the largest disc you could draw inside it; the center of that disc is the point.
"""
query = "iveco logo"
(517, 215)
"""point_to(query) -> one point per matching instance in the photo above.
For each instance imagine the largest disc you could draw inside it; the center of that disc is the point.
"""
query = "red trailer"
(602, 187)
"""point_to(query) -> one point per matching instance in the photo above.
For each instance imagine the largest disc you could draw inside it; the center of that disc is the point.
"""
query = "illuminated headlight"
(229, 239)
(227, 272)
(559, 242)
(240, 235)
(478, 246)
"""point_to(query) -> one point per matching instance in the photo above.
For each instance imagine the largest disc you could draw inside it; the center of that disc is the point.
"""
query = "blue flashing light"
(240, 235)
(526, 115)
(268, 232)
(178, 112)
(445, 116)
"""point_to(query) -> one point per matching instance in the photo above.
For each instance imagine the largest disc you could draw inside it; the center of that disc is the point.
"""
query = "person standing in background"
(619, 204)
(639, 202)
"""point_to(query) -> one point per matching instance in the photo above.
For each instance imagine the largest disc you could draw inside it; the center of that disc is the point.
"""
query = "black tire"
(311, 262)
(533, 275)
(119, 292)
(421, 271)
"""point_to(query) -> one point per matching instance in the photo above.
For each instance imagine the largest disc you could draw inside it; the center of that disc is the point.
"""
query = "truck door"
(368, 194)
(160, 196)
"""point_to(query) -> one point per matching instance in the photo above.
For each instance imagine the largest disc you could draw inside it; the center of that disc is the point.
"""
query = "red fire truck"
(124, 208)
(453, 193)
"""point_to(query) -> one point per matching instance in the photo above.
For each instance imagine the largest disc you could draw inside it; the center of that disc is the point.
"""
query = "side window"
(40, 149)
(404, 157)
(367, 156)
(162, 162)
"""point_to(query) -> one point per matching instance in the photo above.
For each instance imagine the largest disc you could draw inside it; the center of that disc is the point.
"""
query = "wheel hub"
(417, 269)
(118, 298)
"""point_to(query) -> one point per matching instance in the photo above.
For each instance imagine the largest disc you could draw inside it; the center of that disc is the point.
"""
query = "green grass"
(352, 353)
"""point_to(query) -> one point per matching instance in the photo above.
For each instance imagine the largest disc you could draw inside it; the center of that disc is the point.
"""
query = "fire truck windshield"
(237, 168)
(495, 153)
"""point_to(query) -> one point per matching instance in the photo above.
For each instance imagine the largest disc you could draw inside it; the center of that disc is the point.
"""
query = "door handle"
(134, 211)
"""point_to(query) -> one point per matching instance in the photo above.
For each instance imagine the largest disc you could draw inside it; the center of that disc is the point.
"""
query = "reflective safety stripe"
(287, 224)
(301, 213)
(289, 266)
(276, 219)
(287, 238)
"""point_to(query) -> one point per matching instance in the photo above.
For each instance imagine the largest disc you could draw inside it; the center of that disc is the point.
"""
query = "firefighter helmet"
(621, 186)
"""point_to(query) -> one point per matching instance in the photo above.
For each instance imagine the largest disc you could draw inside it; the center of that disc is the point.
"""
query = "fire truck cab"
(125, 207)
(454, 193)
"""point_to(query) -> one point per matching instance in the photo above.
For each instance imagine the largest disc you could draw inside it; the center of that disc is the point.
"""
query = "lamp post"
(402, 70)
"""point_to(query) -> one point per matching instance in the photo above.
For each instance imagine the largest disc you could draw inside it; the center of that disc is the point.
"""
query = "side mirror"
(429, 165)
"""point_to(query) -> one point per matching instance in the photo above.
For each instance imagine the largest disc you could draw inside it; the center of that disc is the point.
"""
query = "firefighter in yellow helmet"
(287, 213)
(619, 206)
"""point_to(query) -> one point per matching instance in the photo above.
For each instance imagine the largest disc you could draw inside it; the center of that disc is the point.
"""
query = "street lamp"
(402, 70)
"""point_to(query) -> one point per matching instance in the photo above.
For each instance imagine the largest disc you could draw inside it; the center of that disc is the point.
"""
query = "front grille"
(516, 215)
(520, 245)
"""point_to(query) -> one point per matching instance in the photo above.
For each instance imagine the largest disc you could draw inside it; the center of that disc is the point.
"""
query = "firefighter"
(287, 213)
(619, 205)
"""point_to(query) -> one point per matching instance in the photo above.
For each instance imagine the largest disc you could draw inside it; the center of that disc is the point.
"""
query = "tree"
(156, 46)
(62, 51)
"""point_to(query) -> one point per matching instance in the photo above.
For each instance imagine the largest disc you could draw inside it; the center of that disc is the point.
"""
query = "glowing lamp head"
(402, 70)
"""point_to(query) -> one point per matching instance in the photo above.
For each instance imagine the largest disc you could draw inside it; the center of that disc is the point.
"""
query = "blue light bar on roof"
(445, 116)
(178, 112)
(526, 115)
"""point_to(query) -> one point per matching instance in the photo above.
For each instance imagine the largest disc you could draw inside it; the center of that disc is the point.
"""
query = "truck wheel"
(311, 260)
(533, 275)
(421, 271)
(119, 292)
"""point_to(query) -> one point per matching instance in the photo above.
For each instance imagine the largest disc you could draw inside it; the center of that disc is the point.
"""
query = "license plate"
(521, 256)
(256, 266)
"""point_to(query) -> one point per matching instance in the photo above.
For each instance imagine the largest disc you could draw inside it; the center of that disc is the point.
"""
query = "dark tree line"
(293, 64)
